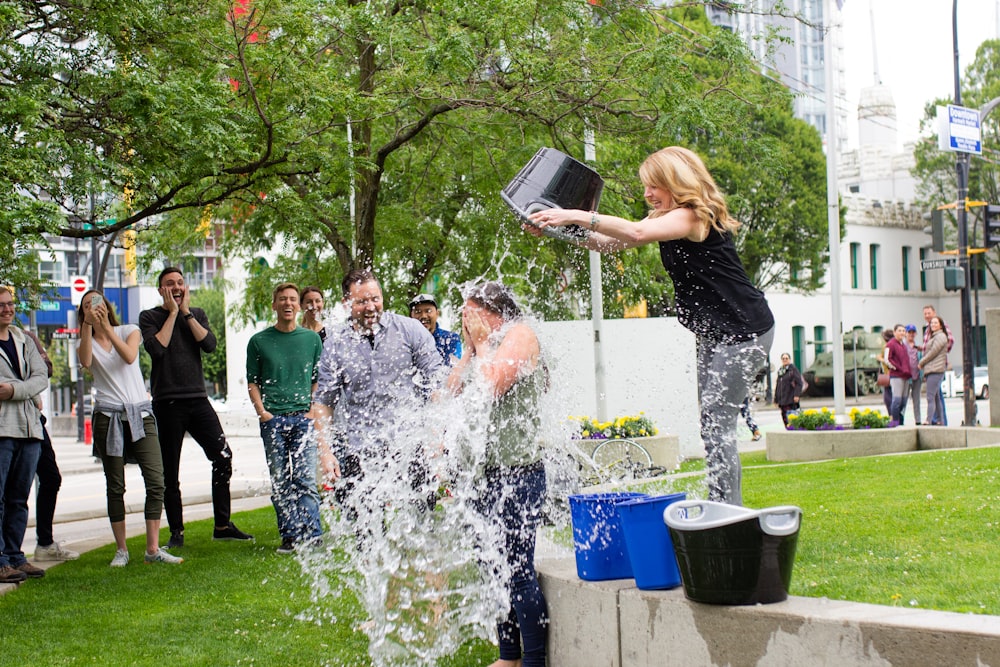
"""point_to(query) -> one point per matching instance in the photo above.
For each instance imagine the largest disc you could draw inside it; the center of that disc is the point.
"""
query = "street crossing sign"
(927, 264)
(959, 130)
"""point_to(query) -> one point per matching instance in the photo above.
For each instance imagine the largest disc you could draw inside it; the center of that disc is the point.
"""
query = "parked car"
(953, 385)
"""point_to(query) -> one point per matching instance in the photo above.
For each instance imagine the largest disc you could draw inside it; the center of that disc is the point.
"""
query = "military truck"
(860, 350)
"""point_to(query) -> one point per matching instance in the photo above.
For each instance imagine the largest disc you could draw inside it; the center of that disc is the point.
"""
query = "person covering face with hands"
(175, 335)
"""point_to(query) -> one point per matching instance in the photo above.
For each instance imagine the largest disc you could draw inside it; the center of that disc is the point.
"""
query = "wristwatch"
(189, 316)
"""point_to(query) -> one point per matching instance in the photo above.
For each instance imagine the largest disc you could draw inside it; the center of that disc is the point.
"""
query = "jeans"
(934, 399)
(18, 460)
(915, 385)
(196, 416)
(512, 499)
(49, 481)
(291, 460)
(748, 416)
(725, 373)
(900, 392)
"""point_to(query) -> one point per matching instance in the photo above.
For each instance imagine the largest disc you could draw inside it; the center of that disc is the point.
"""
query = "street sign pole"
(962, 171)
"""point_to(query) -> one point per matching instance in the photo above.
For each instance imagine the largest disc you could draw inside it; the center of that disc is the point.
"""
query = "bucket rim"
(648, 500)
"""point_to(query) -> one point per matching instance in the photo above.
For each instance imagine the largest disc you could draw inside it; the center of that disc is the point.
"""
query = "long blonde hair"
(682, 173)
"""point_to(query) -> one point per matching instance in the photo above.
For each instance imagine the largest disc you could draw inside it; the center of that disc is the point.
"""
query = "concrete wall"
(614, 624)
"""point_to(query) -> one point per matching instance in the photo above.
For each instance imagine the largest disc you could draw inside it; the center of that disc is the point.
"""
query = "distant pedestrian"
(124, 425)
(934, 363)
(929, 312)
(175, 335)
(311, 301)
(281, 377)
(424, 309)
(23, 377)
(916, 375)
(788, 387)
(884, 369)
(898, 361)
(748, 417)
(49, 482)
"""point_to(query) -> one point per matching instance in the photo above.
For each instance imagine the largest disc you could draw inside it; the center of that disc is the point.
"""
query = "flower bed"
(824, 420)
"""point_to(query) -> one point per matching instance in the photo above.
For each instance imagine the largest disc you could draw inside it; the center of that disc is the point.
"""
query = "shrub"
(869, 418)
(812, 420)
(634, 426)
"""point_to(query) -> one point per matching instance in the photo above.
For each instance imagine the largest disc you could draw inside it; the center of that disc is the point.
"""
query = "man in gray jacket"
(23, 376)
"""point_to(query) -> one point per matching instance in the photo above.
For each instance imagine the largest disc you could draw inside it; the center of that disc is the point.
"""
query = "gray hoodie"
(19, 417)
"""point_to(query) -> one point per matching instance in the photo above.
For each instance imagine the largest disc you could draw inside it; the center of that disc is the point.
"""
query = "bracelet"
(189, 316)
(593, 220)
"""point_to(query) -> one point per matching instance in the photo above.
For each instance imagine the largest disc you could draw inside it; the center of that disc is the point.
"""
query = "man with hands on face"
(175, 335)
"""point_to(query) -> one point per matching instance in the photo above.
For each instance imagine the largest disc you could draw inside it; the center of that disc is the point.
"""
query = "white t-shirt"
(114, 380)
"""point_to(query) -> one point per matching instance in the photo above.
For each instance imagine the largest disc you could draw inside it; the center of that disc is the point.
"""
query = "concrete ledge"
(821, 445)
(655, 628)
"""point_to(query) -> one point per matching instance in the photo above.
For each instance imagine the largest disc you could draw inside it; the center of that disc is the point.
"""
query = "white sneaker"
(162, 556)
(120, 559)
(55, 551)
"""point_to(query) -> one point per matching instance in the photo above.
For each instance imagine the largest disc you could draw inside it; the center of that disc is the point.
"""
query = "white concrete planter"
(819, 445)
(665, 449)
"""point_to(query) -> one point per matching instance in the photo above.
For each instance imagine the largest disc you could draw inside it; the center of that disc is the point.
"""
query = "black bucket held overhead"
(552, 179)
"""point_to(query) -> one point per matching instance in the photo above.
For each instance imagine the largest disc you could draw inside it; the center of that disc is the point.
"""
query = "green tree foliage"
(212, 301)
(372, 133)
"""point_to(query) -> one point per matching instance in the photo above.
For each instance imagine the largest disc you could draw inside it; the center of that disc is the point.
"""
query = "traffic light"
(991, 234)
(936, 230)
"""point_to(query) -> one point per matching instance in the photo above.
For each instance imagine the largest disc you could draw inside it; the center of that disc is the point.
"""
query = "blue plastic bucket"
(598, 540)
(650, 550)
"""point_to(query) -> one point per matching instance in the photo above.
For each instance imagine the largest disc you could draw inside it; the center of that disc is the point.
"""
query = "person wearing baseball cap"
(916, 374)
(424, 309)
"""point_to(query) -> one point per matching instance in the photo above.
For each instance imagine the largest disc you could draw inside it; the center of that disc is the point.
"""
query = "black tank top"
(714, 297)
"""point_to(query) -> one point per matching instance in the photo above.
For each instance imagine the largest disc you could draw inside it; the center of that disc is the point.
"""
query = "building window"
(906, 268)
(52, 269)
(798, 346)
(923, 274)
(855, 268)
(819, 336)
(873, 264)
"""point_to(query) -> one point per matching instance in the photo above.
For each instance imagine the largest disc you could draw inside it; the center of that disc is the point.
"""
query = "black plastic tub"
(734, 555)
(552, 179)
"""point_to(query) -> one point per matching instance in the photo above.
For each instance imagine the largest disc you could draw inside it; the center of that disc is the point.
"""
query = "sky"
(913, 39)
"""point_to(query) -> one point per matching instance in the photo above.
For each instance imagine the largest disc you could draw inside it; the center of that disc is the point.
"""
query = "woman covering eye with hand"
(502, 366)
(124, 425)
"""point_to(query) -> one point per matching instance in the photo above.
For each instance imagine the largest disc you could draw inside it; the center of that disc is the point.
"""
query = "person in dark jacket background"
(788, 387)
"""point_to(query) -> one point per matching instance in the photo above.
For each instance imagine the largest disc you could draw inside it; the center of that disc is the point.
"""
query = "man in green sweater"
(281, 377)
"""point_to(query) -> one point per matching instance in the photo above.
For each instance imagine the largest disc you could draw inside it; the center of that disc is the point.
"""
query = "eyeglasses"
(7, 304)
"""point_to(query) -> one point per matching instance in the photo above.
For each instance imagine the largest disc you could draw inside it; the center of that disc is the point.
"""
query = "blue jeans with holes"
(18, 460)
(291, 460)
(725, 373)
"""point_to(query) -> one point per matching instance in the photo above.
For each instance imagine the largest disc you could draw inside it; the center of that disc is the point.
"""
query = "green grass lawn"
(917, 530)
(228, 604)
